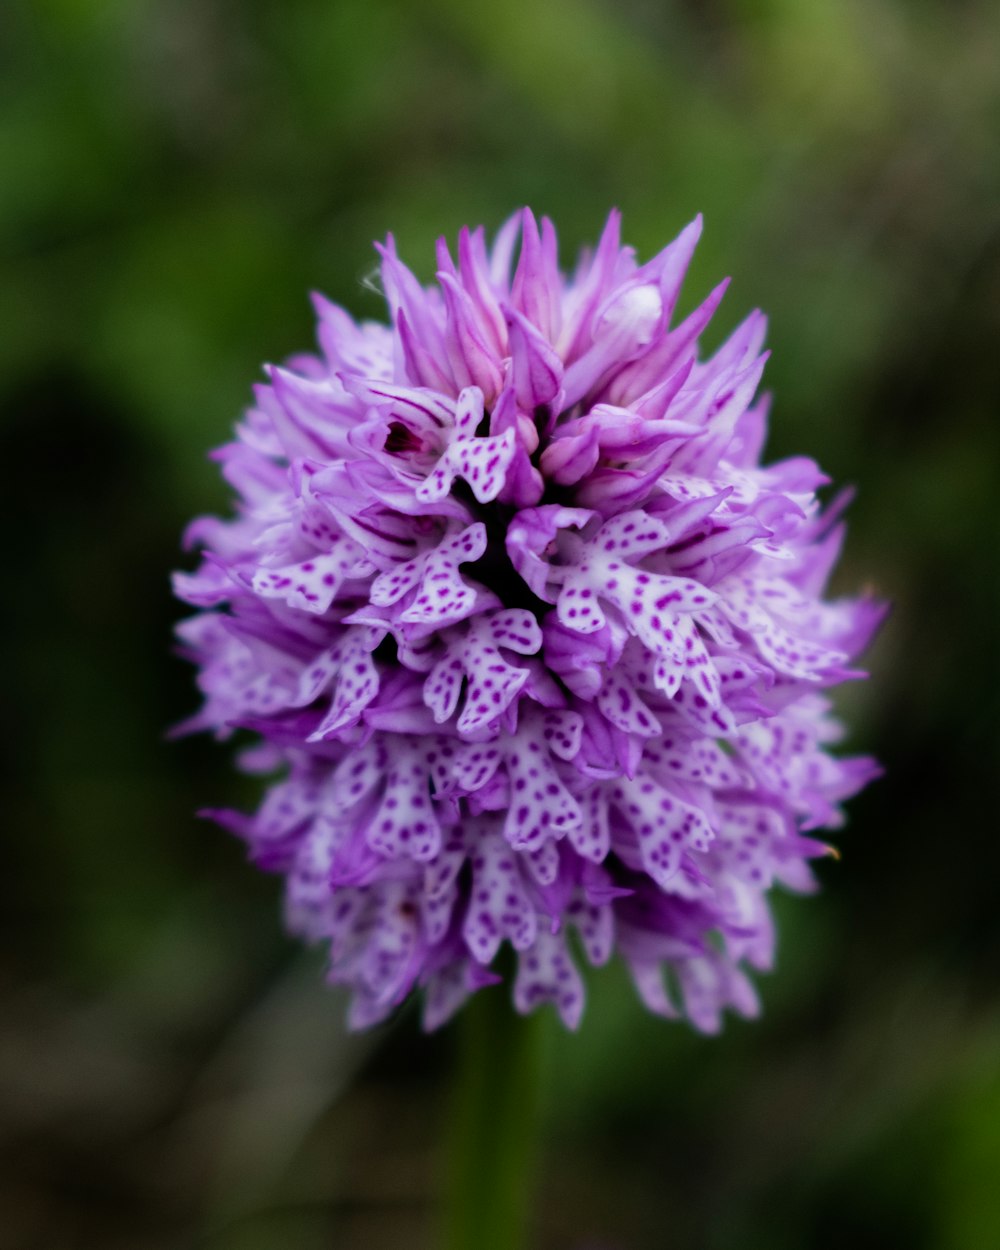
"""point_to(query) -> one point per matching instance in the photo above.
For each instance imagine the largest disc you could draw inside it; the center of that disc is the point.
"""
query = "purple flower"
(530, 638)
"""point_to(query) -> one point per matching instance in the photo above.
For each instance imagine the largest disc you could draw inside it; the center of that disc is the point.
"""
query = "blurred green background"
(176, 175)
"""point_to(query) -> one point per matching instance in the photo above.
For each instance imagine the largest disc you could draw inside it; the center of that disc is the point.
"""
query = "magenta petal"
(536, 288)
(537, 369)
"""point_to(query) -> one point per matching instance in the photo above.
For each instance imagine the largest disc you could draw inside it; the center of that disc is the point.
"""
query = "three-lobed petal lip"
(537, 640)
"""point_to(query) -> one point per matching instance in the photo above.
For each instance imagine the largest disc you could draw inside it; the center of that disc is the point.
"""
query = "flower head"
(531, 638)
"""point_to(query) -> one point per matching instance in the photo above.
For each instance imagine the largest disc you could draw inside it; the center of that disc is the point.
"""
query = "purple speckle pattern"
(533, 647)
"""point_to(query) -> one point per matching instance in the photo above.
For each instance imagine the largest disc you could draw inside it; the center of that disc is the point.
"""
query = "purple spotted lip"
(529, 639)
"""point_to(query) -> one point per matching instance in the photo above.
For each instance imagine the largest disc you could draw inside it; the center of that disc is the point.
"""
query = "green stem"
(494, 1126)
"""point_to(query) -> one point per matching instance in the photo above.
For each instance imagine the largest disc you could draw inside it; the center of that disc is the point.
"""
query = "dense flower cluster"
(535, 641)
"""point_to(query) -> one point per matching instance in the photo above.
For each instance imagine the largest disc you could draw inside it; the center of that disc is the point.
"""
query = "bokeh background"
(175, 175)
